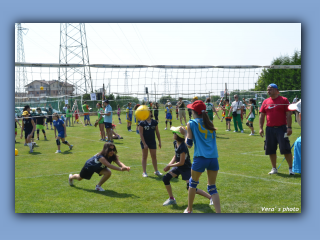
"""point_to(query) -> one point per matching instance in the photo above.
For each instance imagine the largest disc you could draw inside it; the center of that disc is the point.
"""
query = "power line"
(142, 42)
(129, 43)
(106, 45)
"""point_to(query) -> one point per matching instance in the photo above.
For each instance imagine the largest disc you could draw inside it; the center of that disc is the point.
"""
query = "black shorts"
(107, 125)
(87, 172)
(228, 119)
(156, 117)
(27, 132)
(275, 136)
(185, 173)
(49, 119)
(150, 145)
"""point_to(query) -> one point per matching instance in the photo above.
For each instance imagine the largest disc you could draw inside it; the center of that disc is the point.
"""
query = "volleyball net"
(140, 84)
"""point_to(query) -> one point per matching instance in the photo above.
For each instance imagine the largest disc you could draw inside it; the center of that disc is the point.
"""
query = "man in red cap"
(278, 127)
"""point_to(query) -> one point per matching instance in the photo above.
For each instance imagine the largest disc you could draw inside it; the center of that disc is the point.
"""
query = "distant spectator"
(210, 109)
(236, 107)
(278, 127)
(182, 112)
(85, 109)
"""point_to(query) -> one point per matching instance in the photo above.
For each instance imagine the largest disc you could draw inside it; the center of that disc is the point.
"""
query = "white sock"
(30, 146)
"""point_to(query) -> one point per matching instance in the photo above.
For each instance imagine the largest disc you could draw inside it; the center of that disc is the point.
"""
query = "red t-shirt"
(275, 109)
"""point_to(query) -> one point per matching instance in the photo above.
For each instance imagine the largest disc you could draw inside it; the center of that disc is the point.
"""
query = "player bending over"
(180, 164)
(100, 164)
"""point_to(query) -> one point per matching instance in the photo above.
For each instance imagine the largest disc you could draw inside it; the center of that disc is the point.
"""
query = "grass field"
(244, 186)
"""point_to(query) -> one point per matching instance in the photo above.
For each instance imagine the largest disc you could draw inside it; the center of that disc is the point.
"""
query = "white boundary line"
(239, 175)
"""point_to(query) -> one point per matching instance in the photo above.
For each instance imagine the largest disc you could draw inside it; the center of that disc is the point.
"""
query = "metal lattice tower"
(21, 73)
(74, 50)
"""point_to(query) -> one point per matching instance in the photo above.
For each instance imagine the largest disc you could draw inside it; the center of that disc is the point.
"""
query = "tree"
(286, 79)
(164, 99)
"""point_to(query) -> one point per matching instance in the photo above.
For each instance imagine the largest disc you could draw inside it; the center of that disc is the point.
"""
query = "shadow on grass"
(35, 153)
(109, 193)
(222, 137)
(201, 207)
(67, 152)
(156, 178)
(284, 175)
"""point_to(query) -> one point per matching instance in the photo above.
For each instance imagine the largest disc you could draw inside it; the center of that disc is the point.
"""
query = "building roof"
(47, 83)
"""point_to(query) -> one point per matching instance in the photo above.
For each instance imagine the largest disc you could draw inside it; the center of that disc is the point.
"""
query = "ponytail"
(207, 123)
(26, 107)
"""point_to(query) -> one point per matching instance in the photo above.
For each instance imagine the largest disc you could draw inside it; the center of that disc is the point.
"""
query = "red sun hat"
(198, 106)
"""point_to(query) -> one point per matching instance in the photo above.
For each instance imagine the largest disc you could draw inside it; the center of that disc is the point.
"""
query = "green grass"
(244, 186)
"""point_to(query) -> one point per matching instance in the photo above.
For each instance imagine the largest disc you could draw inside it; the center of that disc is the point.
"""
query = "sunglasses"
(111, 150)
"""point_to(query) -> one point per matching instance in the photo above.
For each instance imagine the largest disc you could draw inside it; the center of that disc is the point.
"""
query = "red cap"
(113, 125)
(198, 106)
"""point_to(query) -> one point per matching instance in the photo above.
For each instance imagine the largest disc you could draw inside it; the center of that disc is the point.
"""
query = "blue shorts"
(87, 117)
(61, 134)
(108, 125)
(200, 164)
(169, 116)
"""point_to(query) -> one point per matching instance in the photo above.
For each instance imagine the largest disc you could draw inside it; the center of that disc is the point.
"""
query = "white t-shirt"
(295, 100)
(236, 106)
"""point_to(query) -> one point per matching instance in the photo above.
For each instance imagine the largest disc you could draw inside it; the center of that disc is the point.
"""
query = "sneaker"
(58, 151)
(31, 151)
(235, 131)
(144, 174)
(101, 139)
(121, 137)
(251, 134)
(158, 173)
(130, 130)
(290, 172)
(70, 180)
(186, 211)
(211, 202)
(33, 144)
(99, 188)
(38, 139)
(228, 130)
(273, 171)
(71, 146)
(90, 124)
(169, 202)
(25, 144)
(181, 124)
(165, 129)
(242, 131)
(45, 138)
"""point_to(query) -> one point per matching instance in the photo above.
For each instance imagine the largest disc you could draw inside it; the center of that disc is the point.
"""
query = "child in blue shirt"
(62, 132)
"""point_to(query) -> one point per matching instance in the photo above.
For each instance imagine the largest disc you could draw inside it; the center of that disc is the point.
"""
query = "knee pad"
(37, 131)
(212, 189)
(166, 179)
(247, 123)
(58, 142)
(192, 183)
(43, 131)
(250, 125)
(65, 142)
(188, 187)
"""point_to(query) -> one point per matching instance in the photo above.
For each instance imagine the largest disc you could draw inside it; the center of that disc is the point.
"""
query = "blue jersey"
(149, 131)
(296, 164)
(58, 124)
(108, 109)
(204, 140)
(169, 113)
(129, 111)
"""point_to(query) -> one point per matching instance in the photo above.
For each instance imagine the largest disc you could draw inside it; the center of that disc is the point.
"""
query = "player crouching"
(99, 164)
(181, 165)
(62, 132)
